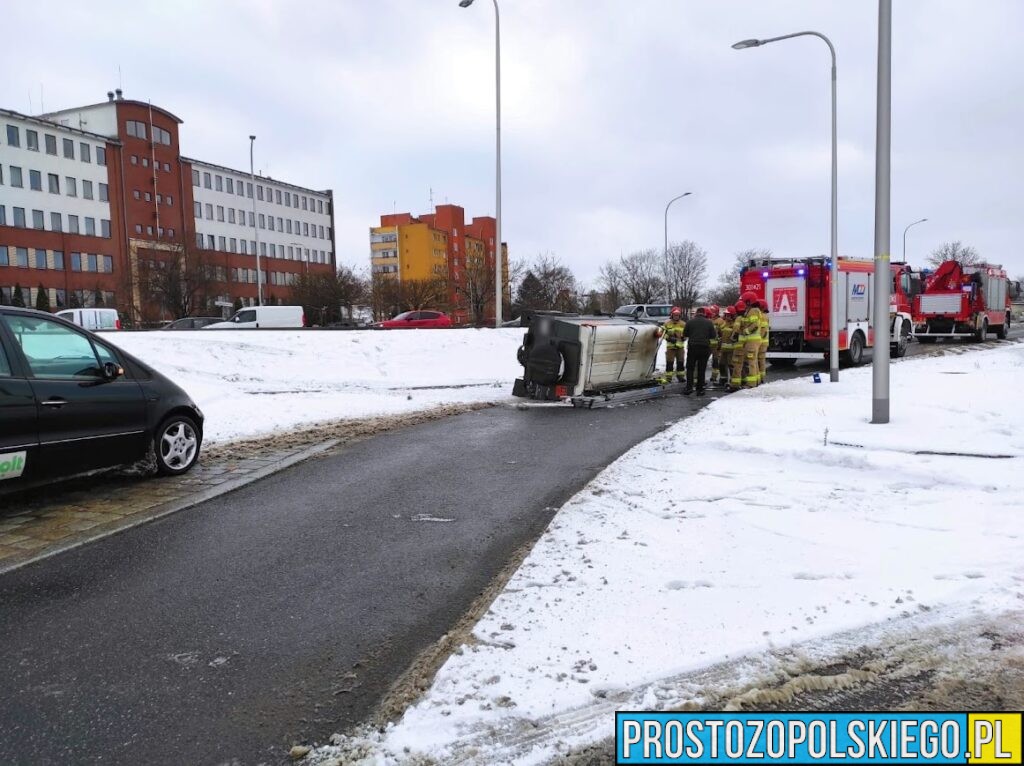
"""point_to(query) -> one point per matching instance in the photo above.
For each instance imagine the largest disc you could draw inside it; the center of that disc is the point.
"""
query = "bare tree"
(329, 297)
(478, 288)
(727, 291)
(685, 272)
(963, 254)
(181, 282)
(385, 296)
(643, 278)
(548, 284)
(610, 277)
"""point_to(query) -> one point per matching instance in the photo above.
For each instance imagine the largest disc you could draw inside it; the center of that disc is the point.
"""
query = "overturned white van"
(569, 357)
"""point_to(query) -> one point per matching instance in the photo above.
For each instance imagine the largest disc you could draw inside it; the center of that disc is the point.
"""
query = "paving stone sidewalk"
(56, 518)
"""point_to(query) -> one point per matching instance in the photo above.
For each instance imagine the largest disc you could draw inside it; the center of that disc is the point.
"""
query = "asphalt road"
(280, 613)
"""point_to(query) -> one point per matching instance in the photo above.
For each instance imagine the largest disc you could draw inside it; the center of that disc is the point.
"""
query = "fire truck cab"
(799, 298)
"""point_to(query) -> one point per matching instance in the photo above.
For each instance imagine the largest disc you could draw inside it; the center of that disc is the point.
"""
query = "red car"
(411, 320)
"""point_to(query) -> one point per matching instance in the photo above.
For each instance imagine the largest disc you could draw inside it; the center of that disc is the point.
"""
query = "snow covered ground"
(775, 517)
(252, 383)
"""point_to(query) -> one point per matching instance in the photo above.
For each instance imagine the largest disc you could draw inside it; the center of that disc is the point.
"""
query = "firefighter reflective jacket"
(674, 333)
(719, 323)
(750, 325)
(764, 329)
(728, 335)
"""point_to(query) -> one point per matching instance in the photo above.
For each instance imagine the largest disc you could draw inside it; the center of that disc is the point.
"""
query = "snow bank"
(738, 531)
(251, 383)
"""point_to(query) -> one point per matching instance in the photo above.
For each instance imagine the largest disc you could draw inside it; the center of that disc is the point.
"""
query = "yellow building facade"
(409, 252)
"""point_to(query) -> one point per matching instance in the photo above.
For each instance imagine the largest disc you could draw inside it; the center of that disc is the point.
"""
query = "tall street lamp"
(687, 194)
(883, 270)
(255, 226)
(834, 317)
(497, 183)
(915, 223)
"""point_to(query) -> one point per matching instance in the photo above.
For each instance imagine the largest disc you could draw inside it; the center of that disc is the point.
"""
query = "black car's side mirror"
(111, 371)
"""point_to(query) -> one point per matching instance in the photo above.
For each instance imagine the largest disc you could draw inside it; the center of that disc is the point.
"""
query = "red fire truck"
(964, 302)
(799, 298)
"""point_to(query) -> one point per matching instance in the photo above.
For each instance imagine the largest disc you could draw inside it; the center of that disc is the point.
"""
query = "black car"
(71, 403)
(191, 323)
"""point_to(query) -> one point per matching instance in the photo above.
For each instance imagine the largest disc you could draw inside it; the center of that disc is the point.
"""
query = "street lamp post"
(255, 224)
(834, 316)
(915, 223)
(687, 194)
(883, 270)
(497, 205)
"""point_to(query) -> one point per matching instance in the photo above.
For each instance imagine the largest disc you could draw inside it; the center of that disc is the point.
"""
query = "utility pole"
(883, 272)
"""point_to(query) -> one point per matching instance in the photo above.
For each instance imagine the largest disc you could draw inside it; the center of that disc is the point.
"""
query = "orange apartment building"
(438, 245)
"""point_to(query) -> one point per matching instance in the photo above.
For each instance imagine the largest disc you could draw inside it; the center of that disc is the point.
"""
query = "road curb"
(166, 509)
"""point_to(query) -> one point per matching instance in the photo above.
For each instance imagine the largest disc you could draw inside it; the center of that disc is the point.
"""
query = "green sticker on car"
(12, 464)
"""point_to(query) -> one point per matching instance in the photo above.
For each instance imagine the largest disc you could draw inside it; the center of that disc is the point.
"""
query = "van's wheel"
(899, 349)
(176, 445)
(855, 354)
(982, 334)
(782, 363)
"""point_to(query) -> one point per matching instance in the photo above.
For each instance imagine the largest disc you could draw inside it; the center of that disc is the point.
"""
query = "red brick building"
(92, 196)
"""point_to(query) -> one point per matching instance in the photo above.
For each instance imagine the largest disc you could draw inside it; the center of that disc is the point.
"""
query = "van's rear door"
(787, 303)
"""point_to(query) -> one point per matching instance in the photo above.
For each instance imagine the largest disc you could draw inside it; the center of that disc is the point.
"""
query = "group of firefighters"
(736, 342)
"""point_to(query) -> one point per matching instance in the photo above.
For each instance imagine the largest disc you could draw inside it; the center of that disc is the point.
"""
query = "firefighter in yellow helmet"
(750, 339)
(762, 354)
(713, 313)
(726, 337)
(675, 346)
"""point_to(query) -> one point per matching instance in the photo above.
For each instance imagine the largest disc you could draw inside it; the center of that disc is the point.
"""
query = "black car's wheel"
(176, 445)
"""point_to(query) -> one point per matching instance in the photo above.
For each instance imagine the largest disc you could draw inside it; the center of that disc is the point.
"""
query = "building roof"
(42, 121)
(265, 179)
(143, 104)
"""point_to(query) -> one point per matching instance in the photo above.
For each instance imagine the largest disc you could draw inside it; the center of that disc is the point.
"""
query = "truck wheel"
(855, 354)
(782, 363)
(982, 334)
(1002, 330)
(899, 349)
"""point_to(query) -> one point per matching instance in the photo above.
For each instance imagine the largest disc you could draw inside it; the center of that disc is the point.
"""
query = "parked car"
(412, 320)
(262, 317)
(93, 319)
(191, 323)
(645, 312)
(70, 403)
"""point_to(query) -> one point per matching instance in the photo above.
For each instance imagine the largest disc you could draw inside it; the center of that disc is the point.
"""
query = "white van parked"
(93, 319)
(262, 317)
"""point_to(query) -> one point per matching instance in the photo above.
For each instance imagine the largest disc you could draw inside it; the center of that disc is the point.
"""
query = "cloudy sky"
(610, 109)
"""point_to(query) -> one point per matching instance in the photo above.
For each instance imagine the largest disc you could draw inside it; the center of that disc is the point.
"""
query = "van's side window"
(247, 316)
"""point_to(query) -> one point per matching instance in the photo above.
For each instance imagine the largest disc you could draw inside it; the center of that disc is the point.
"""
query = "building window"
(16, 180)
(206, 181)
(71, 186)
(108, 264)
(252, 219)
(210, 242)
(37, 219)
(136, 129)
(248, 190)
(72, 224)
(263, 249)
(259, 192)
(218, 182)
(209, 211)
(19, 217)
(40, 259)
(229, 185)
(198, 209)
(90, 226)
(134, 159)
(280, 224)
(240, 189)
(222, 244)
(161, 136)
(76, 261)
(58, 264)
(51, 144)
(263, 221)
(104, 193)
(92, 262)
(273, 250)
(167, 167)
(304, 203)
(305, 229)
(149, 231)
(220, 213)
(4, 261)
(136, 194)
(86, 189)
(69, 149)
(169, 201)
(233, 245)
(138, 228)
(195, 178)
(159, 199)
(85, 152)
(199, 239)
(170, 233)
(320, 206)
(287, 199)
(13, 136)
(101, 155)
(31, 140)
(105, 228)
(321, 232)
(3, 216)
(289, 225)
(148, 197)
(277, 196)
(145, 162)
(270, 222)
(55, 222)
(252, 246)
(53, 181)
(21, 257)
(231, 215)
(244, 247)
(35, 180)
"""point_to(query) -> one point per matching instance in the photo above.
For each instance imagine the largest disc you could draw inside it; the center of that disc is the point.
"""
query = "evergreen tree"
(98, 298)
(74, 302)
(531, 294)
(42, 299)
(238, 305)
(18, 299)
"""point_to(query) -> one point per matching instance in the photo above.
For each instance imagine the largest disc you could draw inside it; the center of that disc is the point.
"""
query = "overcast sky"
(610, 109)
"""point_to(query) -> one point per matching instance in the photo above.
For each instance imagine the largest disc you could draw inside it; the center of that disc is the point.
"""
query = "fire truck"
(799, 298)
(964, 302)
